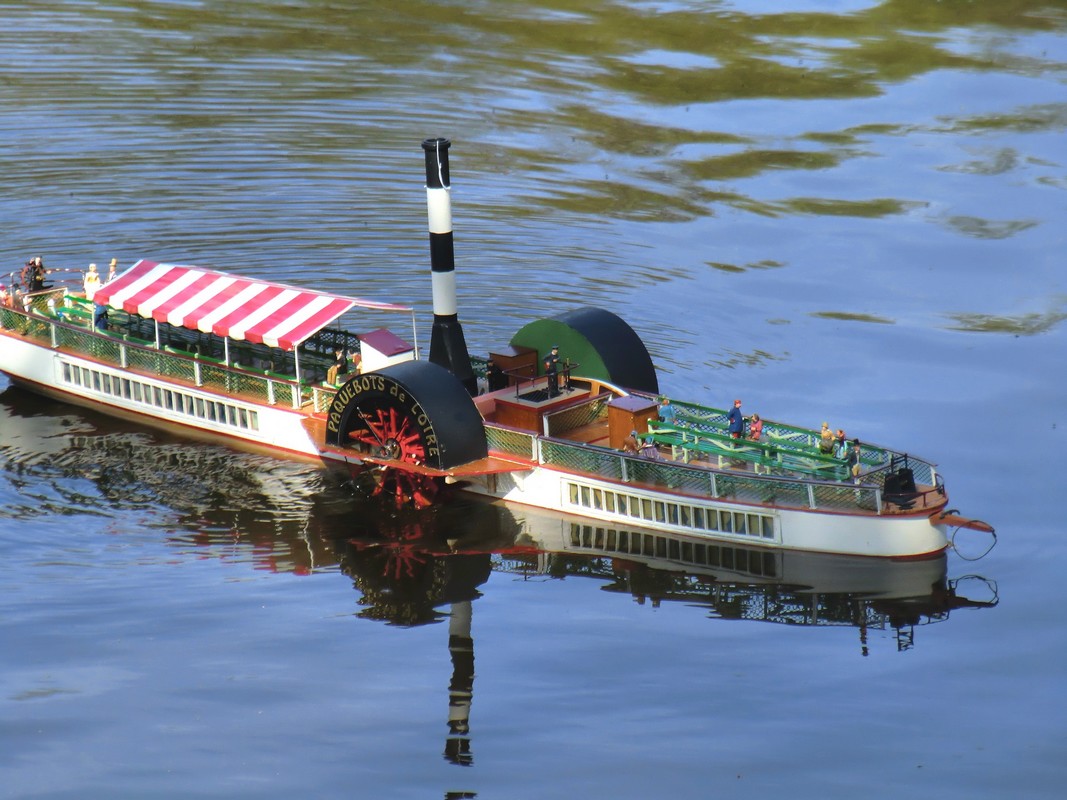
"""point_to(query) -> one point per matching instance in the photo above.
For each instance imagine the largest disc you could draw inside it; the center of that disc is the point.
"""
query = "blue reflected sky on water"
(849, 211)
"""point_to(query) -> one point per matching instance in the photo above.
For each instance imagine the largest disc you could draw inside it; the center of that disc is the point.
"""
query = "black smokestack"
(447, 345)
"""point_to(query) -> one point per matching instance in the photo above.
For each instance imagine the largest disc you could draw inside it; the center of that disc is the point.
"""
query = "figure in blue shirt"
(737, 421)
(666, 412)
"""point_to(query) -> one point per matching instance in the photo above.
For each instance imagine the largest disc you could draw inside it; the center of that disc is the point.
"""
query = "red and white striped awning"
(227, 305)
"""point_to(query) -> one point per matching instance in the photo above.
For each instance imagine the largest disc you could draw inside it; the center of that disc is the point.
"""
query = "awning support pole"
(296, 369)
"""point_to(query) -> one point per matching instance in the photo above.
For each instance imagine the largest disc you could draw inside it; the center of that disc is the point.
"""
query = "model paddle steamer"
(268, 365)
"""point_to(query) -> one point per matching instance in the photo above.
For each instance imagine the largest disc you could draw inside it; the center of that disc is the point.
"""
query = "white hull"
(113, 390)
(287, 430)
(753, 524)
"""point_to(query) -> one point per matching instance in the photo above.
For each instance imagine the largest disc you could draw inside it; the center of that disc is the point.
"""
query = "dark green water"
(848, 211)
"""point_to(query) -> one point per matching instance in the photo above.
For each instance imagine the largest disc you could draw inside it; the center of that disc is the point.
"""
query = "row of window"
(174, 401)
(665, 512)
(754, 561)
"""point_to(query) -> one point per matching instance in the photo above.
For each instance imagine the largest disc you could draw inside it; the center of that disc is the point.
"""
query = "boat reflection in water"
(755, 583)
(430, 566)
(416, 567)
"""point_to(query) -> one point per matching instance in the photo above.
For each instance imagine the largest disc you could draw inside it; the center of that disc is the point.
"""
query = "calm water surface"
(849, 211)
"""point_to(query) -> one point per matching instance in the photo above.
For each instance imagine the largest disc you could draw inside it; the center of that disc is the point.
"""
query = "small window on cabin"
(755, 524)
(646, 508)
(585, 496)
(598, 499)
(253, 420)
(576, 535)
(660, 512)
(573, 491)
(609, 501)
(698, 519)
(66, 373)
(768, 527)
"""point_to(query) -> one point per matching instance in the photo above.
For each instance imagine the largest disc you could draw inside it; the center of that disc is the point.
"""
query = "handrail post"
(811, 496)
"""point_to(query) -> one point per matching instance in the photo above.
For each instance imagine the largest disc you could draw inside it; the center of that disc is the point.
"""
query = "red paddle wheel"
(392, 435)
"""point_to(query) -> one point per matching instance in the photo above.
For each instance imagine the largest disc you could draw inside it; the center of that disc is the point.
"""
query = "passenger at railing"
(36, 275)
(826, 439)
(649, 449)
(840, 444)
(755, 428)
(630, 445)
(666, 412)
(111, 270)
(853, 460)
(551, 363)
(737, 421)
(5, 297)
(494, 376)
(100, 317)
(91, 282)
